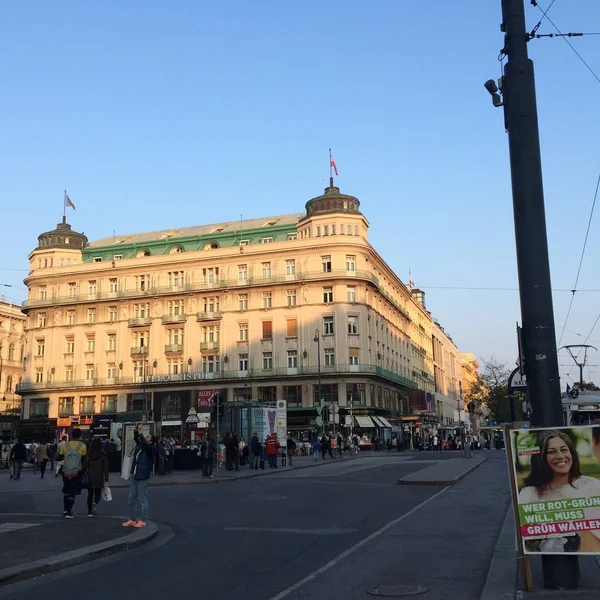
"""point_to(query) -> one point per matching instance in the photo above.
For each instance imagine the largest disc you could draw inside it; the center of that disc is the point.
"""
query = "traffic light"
(487, 420)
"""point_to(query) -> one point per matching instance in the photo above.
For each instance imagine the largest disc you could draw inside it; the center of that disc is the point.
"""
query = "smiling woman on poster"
(556, 475)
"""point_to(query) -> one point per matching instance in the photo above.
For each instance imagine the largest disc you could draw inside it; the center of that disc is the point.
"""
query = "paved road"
(260, 538)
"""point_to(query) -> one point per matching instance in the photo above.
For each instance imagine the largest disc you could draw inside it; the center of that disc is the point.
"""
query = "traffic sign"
(334, 408)
(319, 421)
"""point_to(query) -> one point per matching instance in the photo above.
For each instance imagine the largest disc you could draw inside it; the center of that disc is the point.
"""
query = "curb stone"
(59, 562)
(411, 480)
(502, 582)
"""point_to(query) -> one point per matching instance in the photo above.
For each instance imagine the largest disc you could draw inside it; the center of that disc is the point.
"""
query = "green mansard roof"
(188, 239)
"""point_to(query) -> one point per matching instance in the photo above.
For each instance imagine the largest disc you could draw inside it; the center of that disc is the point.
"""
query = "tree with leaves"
(491, 390)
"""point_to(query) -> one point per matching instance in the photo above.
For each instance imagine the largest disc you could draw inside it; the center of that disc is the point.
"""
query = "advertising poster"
(147, 429)
(557, 474)
(258, 423)
(206, 398)
(281, 416)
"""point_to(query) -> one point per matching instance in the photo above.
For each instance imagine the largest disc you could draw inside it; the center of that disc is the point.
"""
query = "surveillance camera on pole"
(493, 89)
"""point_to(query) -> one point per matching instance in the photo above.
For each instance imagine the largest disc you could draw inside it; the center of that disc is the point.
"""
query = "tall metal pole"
(318, 340)
(538, 333)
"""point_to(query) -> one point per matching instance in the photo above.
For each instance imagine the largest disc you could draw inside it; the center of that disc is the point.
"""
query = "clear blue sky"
(155, 114)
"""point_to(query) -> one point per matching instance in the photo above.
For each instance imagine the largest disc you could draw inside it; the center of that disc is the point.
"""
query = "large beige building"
(447, 364)
(264, 309)
(12, 352)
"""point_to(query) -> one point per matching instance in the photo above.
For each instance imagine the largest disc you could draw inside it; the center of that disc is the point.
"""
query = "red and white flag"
(332, 163)
(68, 201)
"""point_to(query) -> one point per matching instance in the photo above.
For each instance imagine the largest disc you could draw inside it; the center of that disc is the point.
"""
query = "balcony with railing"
(214, 345)
(139, 351)
(198, 286)
(170, 319)
(163, 379)
(174, 349)
(140, 322)
(209, 316)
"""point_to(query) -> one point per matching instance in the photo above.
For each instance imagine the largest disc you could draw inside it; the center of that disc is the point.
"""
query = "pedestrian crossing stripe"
(7, 527)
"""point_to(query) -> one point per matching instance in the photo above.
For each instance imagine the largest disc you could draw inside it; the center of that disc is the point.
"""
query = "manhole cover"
(398, 590)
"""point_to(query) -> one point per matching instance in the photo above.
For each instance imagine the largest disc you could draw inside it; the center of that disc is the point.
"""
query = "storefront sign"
(65, 422)
(557, 476)
(101, 427)
(179, 377)
(206, 398)
(192, 416)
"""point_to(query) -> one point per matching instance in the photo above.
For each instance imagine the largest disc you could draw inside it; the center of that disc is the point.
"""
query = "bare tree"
(491, 389)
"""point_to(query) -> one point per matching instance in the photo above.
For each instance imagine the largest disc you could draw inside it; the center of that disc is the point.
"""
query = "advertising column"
(281, 417)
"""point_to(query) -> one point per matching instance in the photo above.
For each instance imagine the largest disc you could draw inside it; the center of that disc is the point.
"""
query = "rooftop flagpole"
(65, 207)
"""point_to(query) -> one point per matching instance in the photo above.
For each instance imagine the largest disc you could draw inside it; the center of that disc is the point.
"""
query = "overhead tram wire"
(587, 233)
(563, 36)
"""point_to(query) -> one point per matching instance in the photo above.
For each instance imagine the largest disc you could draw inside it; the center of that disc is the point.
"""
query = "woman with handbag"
(97, 470)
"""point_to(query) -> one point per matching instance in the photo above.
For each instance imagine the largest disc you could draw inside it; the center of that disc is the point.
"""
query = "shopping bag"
(126, 467)
(106, 494)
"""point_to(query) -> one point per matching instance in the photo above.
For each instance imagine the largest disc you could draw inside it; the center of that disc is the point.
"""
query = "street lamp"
(317, 339)
(143, 351)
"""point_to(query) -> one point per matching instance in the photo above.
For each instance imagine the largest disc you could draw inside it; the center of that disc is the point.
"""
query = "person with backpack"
(72, 455)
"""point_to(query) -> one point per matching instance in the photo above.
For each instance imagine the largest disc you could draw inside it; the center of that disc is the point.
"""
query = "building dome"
(332, 201)
(62, 237)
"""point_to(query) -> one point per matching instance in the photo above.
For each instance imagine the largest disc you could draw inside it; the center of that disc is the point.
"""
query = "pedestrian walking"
(316, 446)
(243, 451)
(18, 454)
(97, 469)
(230, 451)
(235, 446)
(207, 452)
(141, 469)
(60, 452)
(42, 458)
(72, 471)
(32, 456)
(291, 450)
(272, 450)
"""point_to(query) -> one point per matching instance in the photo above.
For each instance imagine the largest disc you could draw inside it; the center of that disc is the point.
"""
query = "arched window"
(143, 253)
(176, 250)
(9, 382)
(22, 354)
(211, 246)
(11, 351)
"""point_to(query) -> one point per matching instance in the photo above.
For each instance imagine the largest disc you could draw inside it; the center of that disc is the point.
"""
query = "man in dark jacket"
(255, 451)
(141, 470)
(207, 452)
(18, 454)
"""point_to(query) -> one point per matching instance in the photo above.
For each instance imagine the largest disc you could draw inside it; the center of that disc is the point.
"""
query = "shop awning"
(364, 422)
(384, 422)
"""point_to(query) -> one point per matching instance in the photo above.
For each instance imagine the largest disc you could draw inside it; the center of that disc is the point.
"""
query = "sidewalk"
(33, 483)
(450, 468)
(34, 545)
(505, 579)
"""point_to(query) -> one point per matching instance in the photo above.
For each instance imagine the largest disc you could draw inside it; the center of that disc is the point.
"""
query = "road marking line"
(329, 531)
(352, 549)
(7, 527)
